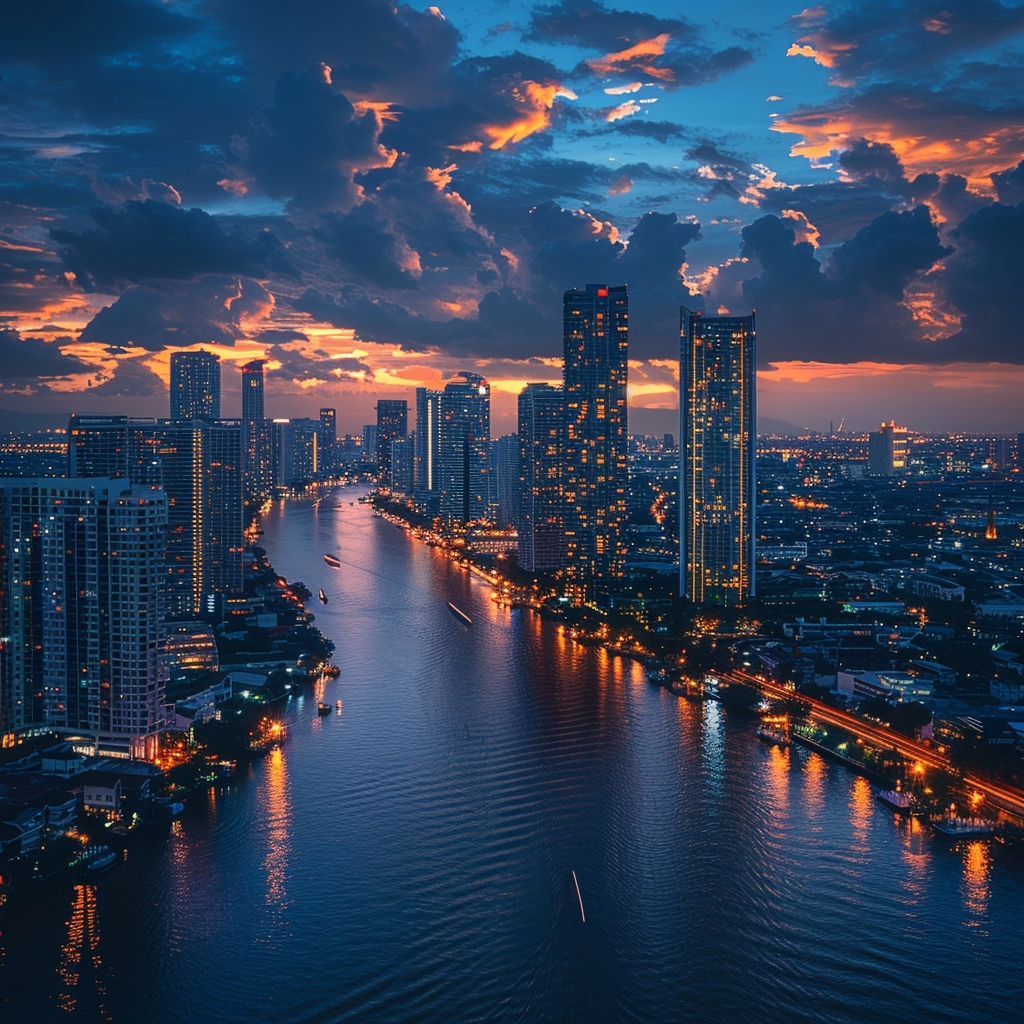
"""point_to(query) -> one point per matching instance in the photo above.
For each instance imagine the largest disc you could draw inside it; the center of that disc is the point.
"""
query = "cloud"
(857, 39)
(211, 310)
(149, 240)
(634, 44)
(311, 143)
(27, 360)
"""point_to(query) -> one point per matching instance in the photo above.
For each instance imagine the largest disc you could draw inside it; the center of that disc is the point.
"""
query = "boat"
(99, 858)
(579, 897)
(898, 799)
(339, 705)
(333, 561)
(323, 596)
(772, 736)
(322, 708)
(961, 828)
(455, 610)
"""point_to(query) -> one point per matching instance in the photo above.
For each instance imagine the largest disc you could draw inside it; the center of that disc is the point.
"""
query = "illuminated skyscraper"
(427, 443)
(82, 615)
(541, 519)
(199, 466)
(717, 445)
(596, 339)
(504, 472)
(465, 458)
(887, 450)
(195, 386)
(256, 449)
(392, 422)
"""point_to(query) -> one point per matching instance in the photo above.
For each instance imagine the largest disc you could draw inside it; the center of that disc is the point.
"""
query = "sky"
(375, 196)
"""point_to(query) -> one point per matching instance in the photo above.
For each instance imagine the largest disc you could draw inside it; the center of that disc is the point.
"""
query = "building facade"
(83, 576)
(427, 447)
(541, 520)
(717, 448)
(464, 471)
(595, 483)
(198, 464)
(392, 423)
(195, 386)
(888, 449)
(256, 447)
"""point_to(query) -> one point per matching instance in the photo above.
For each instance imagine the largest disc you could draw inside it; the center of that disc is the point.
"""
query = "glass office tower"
(596, 342)
(465, 458)
(541, 520)
(195, 386)
(717, 447)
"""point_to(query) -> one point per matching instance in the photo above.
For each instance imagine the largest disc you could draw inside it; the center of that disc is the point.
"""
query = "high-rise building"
(369, 455)
(296, 445)
(392, 422)
(328, 456)
(402, 464)
(465, 461)
(198, 464)
(195, 386)
(256, 450)
(82, 612)
(427, 462)
(541, 521)
(717, 447)
(596, 340)
(888, 449)
(504, 473)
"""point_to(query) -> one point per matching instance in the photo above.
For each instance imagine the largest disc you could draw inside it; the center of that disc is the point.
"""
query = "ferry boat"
(322, 708)
(333, 561)
(339, 706)
(897, 799)
(323, 596)
(961, 828)
(455, 610)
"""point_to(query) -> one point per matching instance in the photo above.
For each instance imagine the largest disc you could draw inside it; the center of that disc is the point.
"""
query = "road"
(1010, 798)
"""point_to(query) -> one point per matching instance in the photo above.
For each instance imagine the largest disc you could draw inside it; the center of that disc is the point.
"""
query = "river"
(410, 859)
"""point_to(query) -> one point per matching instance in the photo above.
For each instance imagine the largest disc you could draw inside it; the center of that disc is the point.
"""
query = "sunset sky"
(373, 197)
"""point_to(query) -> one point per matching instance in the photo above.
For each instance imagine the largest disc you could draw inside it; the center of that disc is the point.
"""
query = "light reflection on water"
(411, 860)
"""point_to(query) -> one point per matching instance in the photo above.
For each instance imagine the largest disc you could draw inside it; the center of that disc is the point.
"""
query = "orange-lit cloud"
(534, 101)
(641, 57)
(627, 109)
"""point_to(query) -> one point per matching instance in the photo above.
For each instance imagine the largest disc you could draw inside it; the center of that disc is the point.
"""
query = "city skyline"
(749, 158)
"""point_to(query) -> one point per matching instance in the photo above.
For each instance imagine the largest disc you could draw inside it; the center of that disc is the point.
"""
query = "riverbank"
(62, 808)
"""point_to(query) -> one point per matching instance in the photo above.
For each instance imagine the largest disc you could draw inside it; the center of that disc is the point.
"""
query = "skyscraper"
(541, 520)
(256, 454)
(504, 472)
(426, 467)
(402, 464)
(195, 386)
(392, 422)
(296, 445)
(465, 462)
(887, 450)
(717, 447)
(82, 620)
(328, 455)
(199, 466)
(596, 340)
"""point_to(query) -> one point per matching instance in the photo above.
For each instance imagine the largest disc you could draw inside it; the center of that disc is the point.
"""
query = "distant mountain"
(770, 425)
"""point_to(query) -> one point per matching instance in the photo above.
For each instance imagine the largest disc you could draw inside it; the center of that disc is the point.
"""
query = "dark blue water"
(410, 860)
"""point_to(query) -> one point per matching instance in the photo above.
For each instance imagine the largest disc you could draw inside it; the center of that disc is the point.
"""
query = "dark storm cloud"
(983, 278)
(311, 142)
(207, 311)
(1010, 184)
(24, 360)
(60, 32)
(849, 309)
(366, 248)
(862, 37)
(131, 379)
(148, 240)
(393, 50)
(661, 131)
(670, 51)
(301, 364)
